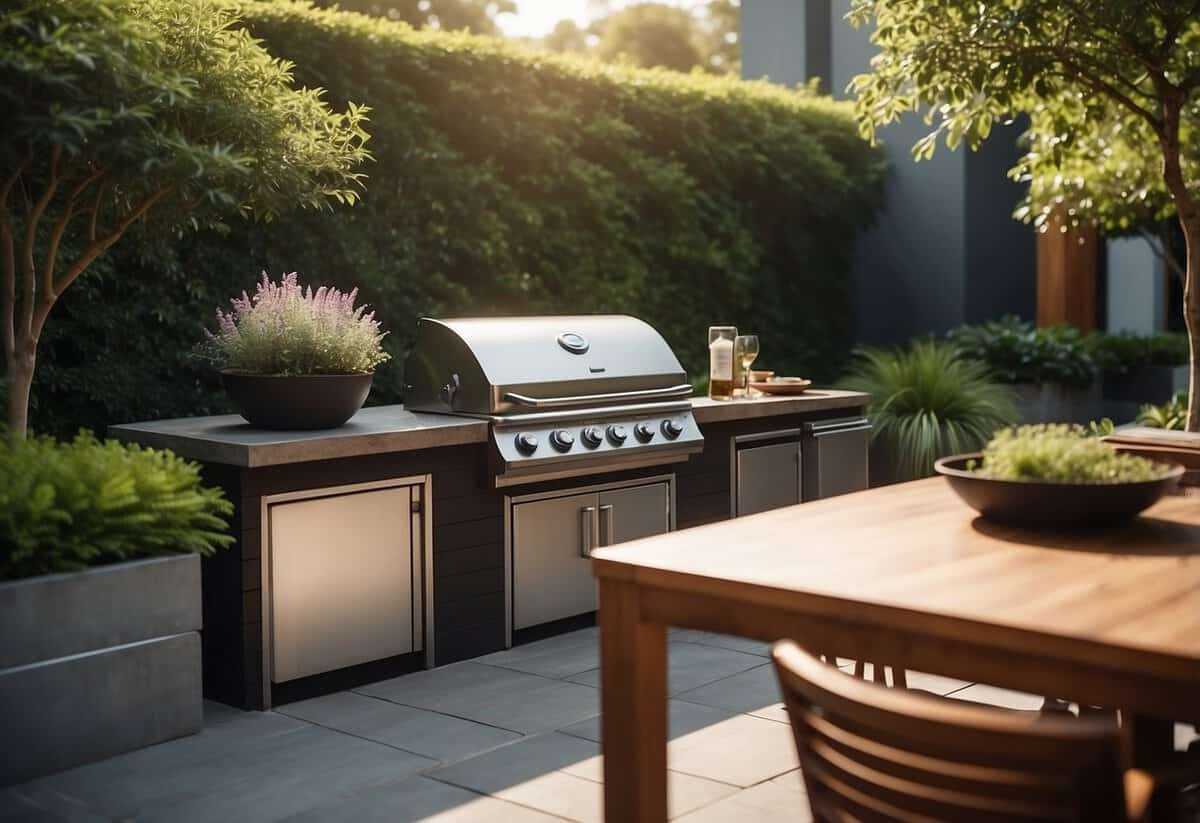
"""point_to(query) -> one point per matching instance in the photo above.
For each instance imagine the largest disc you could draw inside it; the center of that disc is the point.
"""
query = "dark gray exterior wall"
(1001, 263)
(945, 250)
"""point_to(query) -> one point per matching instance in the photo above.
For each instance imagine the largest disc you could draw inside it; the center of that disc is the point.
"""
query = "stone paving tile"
(438, 736)
(498, 697)
(781, 800)
(691, 665)
(548, 772)
(561, 656)
(995, 696)
(257, 767)
(682, 718)
(420, 798)
(742, 750)
(563, 775)
(723, 641)
(747, 691)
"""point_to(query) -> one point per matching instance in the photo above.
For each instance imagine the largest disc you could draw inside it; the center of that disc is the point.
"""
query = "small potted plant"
(1057, 475)
(296, 358)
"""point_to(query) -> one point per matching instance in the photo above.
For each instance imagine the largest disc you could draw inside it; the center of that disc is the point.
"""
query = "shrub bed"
(67, 506)
(504, 181)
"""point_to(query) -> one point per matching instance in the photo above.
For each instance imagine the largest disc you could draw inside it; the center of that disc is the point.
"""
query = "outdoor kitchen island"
(387, 545)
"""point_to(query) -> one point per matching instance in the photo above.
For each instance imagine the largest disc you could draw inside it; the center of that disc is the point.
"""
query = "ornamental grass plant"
(288, 330)
(68, 506)
(928, 401)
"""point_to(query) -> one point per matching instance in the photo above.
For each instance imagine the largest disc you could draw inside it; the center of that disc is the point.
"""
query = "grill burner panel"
(566, 395)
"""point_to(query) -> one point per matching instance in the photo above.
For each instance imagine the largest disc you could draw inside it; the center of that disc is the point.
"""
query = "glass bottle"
(720, 362)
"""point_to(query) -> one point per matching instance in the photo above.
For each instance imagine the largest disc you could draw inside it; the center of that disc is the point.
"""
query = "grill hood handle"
(682, 390)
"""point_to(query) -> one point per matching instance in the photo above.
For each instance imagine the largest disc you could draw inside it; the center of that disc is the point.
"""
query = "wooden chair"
(869, 753)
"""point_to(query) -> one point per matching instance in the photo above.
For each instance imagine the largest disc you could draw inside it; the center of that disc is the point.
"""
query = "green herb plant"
(1061, 453)
(1170, 415)
(928, 402)
(69, 506)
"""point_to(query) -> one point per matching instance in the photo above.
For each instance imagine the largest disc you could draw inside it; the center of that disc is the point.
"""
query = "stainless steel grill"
(566, 395)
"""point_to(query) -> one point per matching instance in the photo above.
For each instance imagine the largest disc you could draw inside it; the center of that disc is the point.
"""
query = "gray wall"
(946, 249)
(1136, 289)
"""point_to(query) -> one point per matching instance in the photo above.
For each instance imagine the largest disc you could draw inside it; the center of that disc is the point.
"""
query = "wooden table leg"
(633, 726)
(1152, 739)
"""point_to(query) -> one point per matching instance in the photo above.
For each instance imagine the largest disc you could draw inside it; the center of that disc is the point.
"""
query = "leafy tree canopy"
(1111, 88)
(120, 111)
(476, 16)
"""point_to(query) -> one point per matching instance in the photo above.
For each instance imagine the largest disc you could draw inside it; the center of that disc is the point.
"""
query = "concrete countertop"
(380, 429)
(229, 439)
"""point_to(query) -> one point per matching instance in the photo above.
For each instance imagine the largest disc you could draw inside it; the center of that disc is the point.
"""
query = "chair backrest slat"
(871, 753)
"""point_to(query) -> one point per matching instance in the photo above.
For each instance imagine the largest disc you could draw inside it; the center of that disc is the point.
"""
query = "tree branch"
(8, 297)
(31, 225)
(60, 226)
(1157, 242)
(94, 250)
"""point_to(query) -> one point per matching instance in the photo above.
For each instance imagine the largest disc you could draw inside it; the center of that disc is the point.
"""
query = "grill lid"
(500, 365)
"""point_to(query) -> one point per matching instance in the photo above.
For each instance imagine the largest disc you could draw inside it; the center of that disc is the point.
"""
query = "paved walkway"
(512, 736)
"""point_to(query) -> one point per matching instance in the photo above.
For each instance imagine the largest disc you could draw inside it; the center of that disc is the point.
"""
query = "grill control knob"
(672, 428)
(644, 432)
(562, 440)
(526, 443)
(617, 434)
(592, 437)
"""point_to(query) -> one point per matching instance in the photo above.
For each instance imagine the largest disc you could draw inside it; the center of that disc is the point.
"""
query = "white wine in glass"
(745, 349)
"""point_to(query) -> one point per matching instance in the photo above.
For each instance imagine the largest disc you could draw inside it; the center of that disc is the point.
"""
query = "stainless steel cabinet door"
(627, 514)
(341, 581)
(768, 477)
(837, 461)
(552, 577)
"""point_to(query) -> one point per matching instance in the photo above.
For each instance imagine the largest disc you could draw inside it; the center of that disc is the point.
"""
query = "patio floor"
(511, 736)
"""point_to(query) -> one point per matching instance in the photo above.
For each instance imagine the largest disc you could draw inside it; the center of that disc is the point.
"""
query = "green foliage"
(476, 16)
(1170, 415)
(159, 112)
(928, 402)
(650, 34)
(288, 330)
(148, 96)
(1018, 352)
(703, 36)
(1125, 352)
(1062, 453)
(509, 182)
(68, 506)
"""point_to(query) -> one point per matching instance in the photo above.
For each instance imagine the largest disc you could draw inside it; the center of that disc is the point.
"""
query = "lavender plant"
(288, 330)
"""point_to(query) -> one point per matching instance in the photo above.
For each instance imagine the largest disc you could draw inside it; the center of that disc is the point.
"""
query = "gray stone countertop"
(380, 429)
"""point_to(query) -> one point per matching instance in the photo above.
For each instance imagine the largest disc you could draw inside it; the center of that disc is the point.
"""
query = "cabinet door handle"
(589, 531)
(606, 525)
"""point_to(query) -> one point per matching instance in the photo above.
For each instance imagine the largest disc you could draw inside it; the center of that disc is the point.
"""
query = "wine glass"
(745, 349)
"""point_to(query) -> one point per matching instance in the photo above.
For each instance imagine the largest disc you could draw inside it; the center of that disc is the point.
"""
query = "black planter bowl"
(1045, 503)
(307, 401)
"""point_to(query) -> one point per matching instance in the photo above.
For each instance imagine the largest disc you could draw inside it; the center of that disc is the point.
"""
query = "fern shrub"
(928, 401)
(69, 506)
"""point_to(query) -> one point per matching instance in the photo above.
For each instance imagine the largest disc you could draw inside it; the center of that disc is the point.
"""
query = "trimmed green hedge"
(504, 181)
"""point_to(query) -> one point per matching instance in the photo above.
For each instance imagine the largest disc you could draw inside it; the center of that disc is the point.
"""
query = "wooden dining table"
(907, 575)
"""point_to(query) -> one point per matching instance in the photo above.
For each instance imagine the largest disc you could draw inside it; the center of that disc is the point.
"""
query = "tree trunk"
(20, 382)
(1191, 316)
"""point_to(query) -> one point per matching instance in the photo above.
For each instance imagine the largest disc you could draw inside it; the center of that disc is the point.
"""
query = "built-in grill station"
(566, 396)
(409, 539)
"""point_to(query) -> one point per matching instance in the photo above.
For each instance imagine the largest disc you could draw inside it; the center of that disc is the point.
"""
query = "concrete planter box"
(98, 662)
(1056, 403)
(1125, 394)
